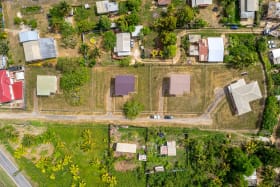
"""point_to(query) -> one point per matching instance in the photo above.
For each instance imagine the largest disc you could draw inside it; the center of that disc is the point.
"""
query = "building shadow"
(230, 101)
(165, 86)
(112, 87)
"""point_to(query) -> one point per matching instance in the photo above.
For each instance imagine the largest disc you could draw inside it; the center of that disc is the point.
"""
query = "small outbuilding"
(200, 3)
(27, 36)
(252, 180)
(164, 2)
(46, 85)
(159, 169)
(137, 31)
(163, 150)
(275, 56)
(179, 84)
(142, 157)
(126, 148)
(124, 84)
(171, 148)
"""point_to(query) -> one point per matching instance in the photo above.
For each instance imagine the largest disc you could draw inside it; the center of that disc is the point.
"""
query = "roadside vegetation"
(54, 154)
(74, 75)
(242, 50)
(230, 11)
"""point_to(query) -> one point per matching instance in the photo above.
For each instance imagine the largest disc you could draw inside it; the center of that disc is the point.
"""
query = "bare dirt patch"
(36, 153)
(124, 166)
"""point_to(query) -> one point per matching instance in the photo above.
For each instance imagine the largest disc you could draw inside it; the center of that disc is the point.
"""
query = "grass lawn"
(130, 178)
(5, 180)
(66, 142)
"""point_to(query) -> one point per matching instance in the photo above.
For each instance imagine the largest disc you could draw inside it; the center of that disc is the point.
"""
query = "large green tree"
(104, 23)
(132, 109)
(184, 15)
(109, 40)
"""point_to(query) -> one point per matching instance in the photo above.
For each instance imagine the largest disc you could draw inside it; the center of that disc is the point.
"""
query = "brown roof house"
(164, 2)
(179, 84)
(124, 84)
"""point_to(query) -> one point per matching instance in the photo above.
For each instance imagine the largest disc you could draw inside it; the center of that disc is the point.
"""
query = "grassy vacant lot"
(5, 180)
(62, 141)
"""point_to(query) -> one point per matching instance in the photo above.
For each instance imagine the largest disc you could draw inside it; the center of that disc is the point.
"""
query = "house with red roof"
(11, 89)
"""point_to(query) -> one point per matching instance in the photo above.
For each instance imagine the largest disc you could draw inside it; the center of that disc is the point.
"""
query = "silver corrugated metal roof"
(47, 48)
(28, 36)
(123, 43)
(216, 49)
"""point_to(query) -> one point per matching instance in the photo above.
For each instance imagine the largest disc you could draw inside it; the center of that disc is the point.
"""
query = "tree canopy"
(109, 40)
(132, 109)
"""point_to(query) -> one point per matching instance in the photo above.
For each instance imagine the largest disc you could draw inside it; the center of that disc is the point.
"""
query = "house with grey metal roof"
(241, 94)
(46, 85)
(124, 84)
(43, 48)
(215, 49)
(26, 36)
(179, 84)
(248, 9)
(123, 44)
(200, 3)
(104, 7)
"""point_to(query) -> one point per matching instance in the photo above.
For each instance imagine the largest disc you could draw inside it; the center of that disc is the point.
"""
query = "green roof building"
(46, 85)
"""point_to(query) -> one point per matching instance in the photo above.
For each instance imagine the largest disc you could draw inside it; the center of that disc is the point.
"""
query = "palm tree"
(64, 8)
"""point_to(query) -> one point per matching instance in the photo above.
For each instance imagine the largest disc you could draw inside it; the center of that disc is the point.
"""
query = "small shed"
(19, 75)
(3, 61)
(124, 84)
(137, 31)
(142, 157)
(126, 148)
(46, 85)
(159, 169)
(171, 148)
(275, 56)
(26, 36)
(252, 179)
(164, 2)
(179, 84)
(194, 38)
(163, 150)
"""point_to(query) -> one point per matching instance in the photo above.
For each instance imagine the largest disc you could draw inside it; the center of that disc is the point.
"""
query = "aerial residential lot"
(97, 97)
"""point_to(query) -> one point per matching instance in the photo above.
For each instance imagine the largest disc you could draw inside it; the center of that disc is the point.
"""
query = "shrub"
(132, 109)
